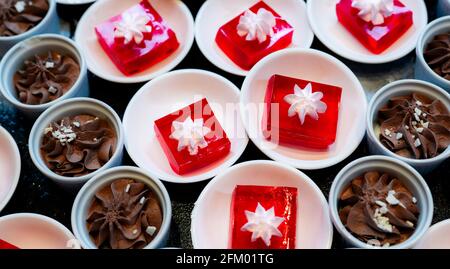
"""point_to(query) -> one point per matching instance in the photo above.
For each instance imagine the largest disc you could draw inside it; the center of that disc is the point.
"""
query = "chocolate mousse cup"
(41, 22)
(409, 179)
(66, 78)
(423, 71)
(93, 207)
(402, 89)
(75, 140)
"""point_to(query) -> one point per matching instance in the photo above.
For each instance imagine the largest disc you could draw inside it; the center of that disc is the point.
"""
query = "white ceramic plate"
(33, 231)
(215, 13)
(316, 66)
(169, 93)
(323, 20)
(211, 214)
(437, 237)
(9, 167)
(174, 12)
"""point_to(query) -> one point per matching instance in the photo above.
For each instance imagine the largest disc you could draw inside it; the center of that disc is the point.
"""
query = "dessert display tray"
(37, 194)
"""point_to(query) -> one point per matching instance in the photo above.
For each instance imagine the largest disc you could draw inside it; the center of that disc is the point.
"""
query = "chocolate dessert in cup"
(410, 120)
(432, 53)
(122, 208)
(34, 231)
(22, 19)
(76, 139)
(10, 165)
(42, 71)
(380, 202)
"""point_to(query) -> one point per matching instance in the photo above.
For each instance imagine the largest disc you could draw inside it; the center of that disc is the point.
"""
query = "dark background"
(36, 193)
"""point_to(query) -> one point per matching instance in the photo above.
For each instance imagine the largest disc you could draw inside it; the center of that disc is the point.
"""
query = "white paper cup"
(73, 107)
(86, 195)
(25, 50)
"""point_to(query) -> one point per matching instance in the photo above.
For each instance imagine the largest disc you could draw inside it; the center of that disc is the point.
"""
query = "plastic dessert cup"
(10, 165)
(380, 99)
(34, 231)
(73, 107)
(402, 171)
(85, 196)
(27, 49)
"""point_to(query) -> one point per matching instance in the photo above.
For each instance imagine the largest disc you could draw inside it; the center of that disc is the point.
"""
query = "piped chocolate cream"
(76, 146)
(415, 126)
(19, 16)
(45, 78)
(124, 215)
(437, 55)
(378, 209)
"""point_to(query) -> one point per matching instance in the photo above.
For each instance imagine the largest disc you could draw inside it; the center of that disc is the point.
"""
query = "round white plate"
(315, 66)
(437, 237)
(74, 2)
(169, 93)
(211, 215)
(215, 13)
(9, 167)
(323, 19)
(174, 12)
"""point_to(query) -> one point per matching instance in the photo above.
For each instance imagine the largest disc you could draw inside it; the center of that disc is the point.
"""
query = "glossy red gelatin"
(183, 162)
(376, 38)
(279, 127)
(6, 245)
(284, 201)
(132, 58)
(247, 53)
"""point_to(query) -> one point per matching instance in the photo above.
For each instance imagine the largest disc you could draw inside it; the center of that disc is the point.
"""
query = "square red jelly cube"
(192, 137)
(6, 245)
(246, 53)
(134, 51)
(286, 98)
(376, 38)
(261, 215)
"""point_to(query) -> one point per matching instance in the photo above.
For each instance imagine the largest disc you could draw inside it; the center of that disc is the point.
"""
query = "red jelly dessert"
(6, 245)
(136, 39)
(263, 217)
(301, 113)
(192, 137)
(377, 24)
(254, 34)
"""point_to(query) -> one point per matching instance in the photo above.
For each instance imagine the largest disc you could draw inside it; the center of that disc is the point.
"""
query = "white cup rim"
(16, 157)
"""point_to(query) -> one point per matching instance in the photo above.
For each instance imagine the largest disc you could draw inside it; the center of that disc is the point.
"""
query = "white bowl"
(315, 66)
(9, 167)
(215, 13)
(211, 214)
(437, 237)
(169, 93)
(323, 19)
(34, 231)
(174, 12)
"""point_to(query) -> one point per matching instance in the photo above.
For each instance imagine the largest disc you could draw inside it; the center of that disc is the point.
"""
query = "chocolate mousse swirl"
(124, 215)
(437, 55)
(415, 126)
(19, 16)
(45, 78)
(79, 145)
(378, 209)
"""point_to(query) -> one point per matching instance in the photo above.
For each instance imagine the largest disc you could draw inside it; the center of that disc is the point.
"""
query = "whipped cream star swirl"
(132, 27)
(256, 25)
(190, 134)
(262, 224)
(375, 11)
(304, 102)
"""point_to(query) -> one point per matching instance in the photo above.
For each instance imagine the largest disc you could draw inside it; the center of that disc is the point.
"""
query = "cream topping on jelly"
(256, 25)
(190, 134)
(374, 11)
(262, 224)
(133, 26)
(305, 102)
